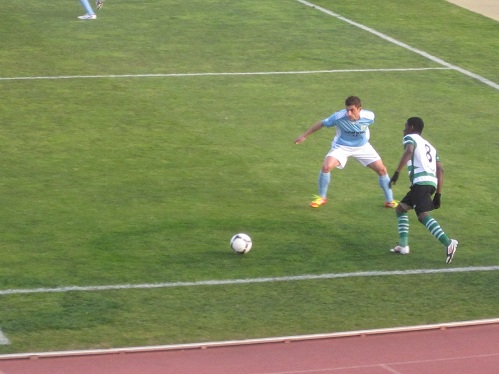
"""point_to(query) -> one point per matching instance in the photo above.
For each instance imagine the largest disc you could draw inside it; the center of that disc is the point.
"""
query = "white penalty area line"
(214, 74)
(3, 339)
(403, 45)
(248, 281)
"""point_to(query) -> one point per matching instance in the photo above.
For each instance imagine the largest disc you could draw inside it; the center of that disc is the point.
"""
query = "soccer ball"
(241, 243)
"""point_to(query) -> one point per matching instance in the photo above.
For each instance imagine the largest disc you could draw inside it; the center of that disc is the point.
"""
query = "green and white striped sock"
(435, 229)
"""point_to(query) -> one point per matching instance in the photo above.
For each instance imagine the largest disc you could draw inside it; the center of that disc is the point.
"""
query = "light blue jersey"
(350, 133)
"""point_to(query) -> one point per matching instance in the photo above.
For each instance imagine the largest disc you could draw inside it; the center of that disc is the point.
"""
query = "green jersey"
(422, 166)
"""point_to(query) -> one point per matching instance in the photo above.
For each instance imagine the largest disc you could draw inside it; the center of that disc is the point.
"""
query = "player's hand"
(394, 179)
(436, 200)
(300, 139)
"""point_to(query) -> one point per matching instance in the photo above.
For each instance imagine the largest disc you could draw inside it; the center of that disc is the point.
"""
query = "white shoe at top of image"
(88, 16)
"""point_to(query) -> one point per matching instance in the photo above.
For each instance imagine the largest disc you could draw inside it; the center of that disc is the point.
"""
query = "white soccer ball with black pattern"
(241, 243)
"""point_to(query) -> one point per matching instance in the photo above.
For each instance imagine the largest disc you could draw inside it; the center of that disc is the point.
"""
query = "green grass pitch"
(133, 148)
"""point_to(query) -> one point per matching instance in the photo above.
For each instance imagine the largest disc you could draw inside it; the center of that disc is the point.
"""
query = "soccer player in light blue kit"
(351, 140)
(88, 8)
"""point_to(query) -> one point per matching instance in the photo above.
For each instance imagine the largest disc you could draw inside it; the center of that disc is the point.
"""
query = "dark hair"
(416, 123)
(353, 100)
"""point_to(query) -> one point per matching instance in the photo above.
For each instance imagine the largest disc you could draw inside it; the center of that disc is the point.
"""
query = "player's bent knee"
(402, 208)
(422, 216)
(382, 170)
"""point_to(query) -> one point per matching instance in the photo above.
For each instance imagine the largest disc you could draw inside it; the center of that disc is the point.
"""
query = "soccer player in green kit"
(426, 176)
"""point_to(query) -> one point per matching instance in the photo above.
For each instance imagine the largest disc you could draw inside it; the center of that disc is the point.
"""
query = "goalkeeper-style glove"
(436, 200)
(394, 179)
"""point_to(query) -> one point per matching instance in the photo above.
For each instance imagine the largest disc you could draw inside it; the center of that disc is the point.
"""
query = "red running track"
(452, 350)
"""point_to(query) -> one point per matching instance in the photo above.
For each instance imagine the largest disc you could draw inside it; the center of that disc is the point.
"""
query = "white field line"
(3, 339)
(403, 45)
(248, 280)
(169, 75)
(356, 24)
(279, 339)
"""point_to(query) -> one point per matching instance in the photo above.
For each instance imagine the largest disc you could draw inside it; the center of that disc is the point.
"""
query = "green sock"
(403, 228)
(435, 229)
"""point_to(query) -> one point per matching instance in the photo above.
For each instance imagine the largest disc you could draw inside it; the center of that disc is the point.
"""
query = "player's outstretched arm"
(315, 127)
